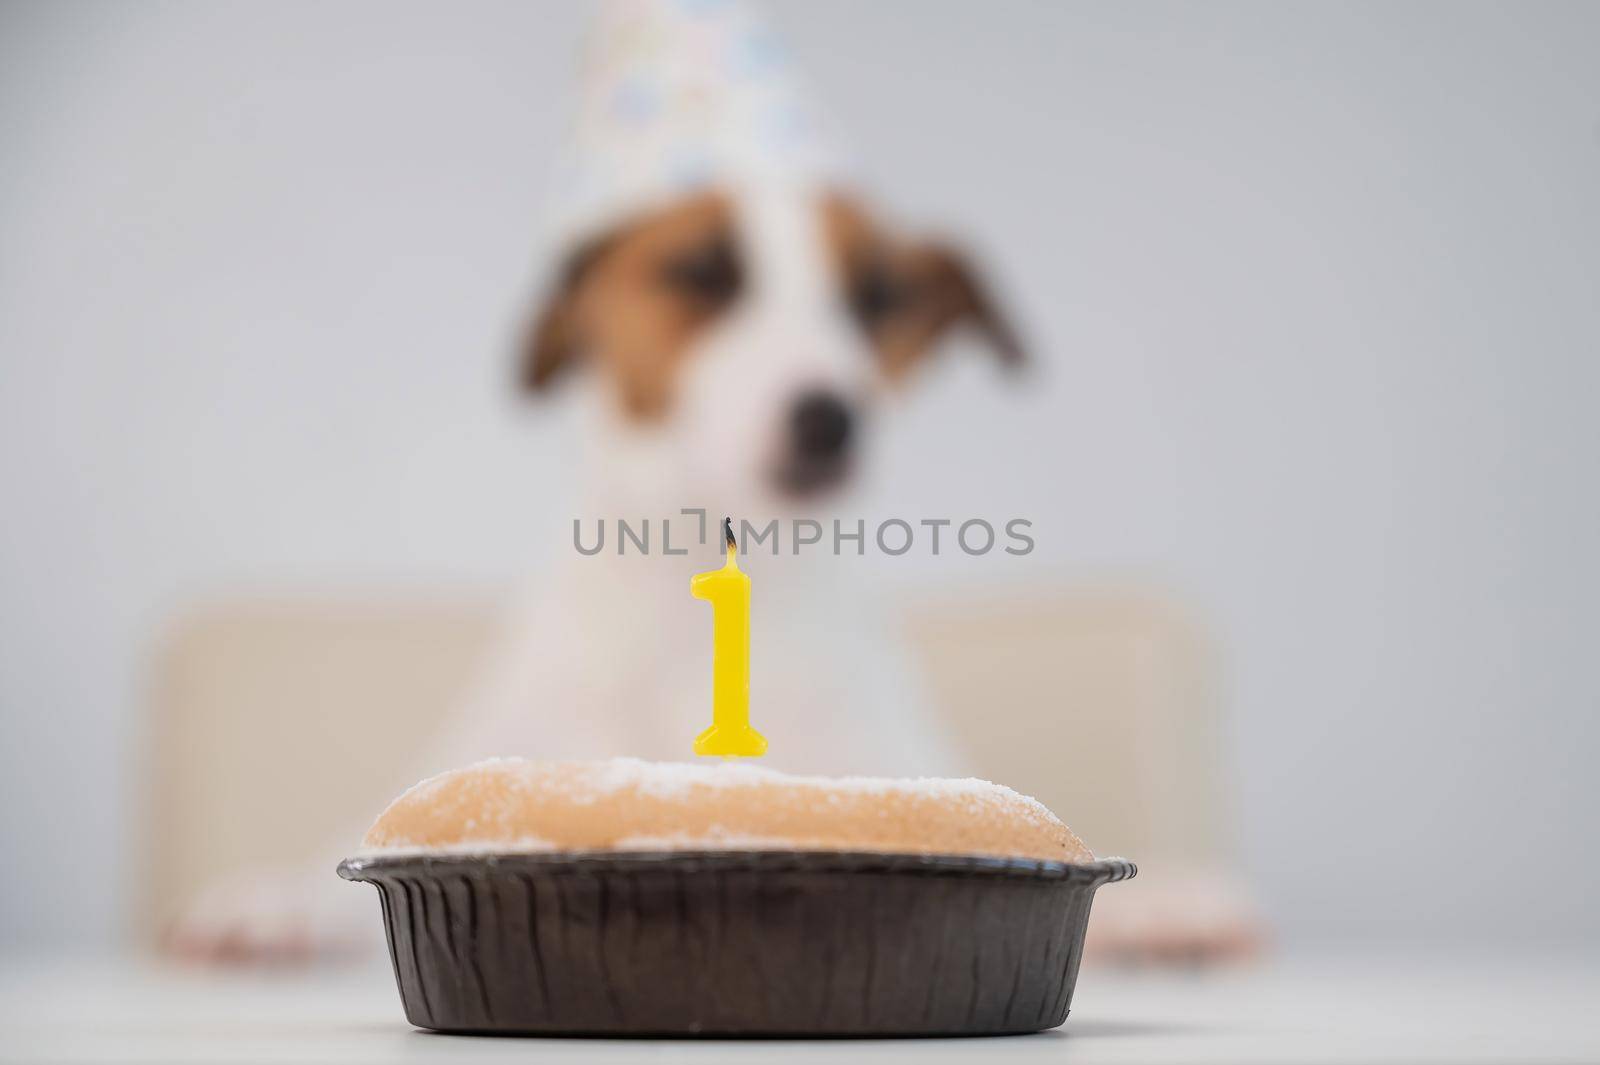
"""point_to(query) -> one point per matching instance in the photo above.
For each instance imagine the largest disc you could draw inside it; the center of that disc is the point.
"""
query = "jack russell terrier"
(729, 341)
(727, 351)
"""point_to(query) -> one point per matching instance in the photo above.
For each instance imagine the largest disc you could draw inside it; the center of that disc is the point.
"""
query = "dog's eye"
(709, 273)
(876, 295)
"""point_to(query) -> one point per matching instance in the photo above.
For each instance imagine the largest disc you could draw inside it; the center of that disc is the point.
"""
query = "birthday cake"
(513, 804)
(630, 897)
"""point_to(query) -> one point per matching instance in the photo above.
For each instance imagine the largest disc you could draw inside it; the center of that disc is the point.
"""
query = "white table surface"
(1368, 1010)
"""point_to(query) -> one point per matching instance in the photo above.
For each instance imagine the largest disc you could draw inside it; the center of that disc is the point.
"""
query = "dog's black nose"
(821, 424)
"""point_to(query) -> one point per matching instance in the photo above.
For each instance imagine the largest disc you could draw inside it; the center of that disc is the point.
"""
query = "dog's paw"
(273, 917)
(1175, 918)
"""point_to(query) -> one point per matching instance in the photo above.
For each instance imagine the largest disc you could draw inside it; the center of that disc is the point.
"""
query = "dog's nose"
(821, 425)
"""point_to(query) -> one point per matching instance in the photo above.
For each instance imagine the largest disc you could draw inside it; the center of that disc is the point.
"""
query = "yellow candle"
(728, 591)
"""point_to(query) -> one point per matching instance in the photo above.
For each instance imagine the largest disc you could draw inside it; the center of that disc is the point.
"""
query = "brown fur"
(631, 301)
(922, 289)
(618, 306)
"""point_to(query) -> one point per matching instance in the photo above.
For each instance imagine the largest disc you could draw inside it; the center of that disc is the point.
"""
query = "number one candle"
(728, 591)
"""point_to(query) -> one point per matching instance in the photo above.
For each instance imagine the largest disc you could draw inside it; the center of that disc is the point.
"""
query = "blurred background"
(1312, 289)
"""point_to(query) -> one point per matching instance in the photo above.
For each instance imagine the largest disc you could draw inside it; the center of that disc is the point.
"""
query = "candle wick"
(727, 534)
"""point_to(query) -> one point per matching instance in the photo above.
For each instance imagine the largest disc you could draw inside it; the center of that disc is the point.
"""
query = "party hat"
(677, 96)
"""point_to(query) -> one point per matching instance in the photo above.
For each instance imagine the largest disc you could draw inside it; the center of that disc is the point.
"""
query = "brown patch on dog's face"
(905, 294)
(631, 302)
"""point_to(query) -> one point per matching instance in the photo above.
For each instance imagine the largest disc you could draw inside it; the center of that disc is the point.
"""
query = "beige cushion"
(1097, 702)
(276, 723)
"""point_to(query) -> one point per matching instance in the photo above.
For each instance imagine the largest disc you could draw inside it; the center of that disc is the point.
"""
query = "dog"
(729, 352)
(730, 344)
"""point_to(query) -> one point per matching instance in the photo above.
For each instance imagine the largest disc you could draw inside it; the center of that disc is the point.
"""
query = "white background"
(1314, 287)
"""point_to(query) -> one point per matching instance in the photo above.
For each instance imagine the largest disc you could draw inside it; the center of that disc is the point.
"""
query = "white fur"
(610, 655)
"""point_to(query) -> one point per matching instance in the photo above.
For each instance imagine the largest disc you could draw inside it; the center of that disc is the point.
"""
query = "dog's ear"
(554, 341)
(907, 295)
(949, 292)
